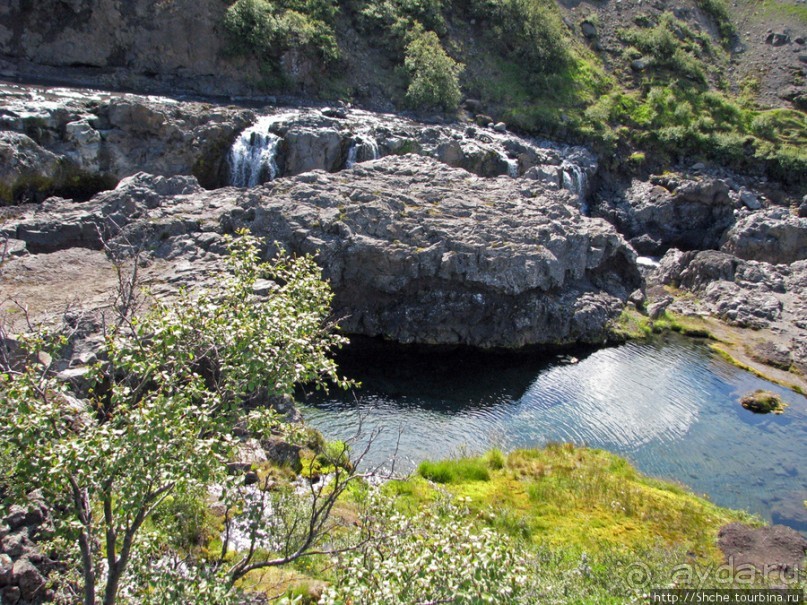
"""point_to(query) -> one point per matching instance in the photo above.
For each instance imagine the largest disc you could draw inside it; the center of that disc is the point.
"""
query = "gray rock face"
(692, 215)
(22, 579)
(137, 44)
(113, 210)
(316, 140)
(25, 167)
(79, 142)
(313, 149)
(416, 251)
(774, 236)
(748, 294)
(75, 143)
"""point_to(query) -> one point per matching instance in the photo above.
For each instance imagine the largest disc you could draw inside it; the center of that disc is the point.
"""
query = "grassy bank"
(569, 497)
(584, 523)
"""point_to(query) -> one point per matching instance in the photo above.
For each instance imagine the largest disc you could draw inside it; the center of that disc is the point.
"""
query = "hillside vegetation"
(648, 84)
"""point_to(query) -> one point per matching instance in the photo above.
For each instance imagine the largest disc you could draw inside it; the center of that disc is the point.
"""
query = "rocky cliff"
(75, 143)
(416, 251)
(139, 44)
(495, 251)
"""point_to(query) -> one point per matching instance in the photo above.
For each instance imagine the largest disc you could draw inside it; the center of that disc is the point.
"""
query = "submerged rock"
(416, 251)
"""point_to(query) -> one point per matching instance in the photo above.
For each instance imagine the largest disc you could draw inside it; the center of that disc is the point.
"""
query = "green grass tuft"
(454, 471)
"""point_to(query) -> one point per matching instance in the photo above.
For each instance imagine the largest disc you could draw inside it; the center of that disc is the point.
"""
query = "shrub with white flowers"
(435, 555)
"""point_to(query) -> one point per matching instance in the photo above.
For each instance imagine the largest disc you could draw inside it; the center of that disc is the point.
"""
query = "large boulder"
(27, 171)
(773, 236)
(691, 215)
(416, 251)
(313, 149)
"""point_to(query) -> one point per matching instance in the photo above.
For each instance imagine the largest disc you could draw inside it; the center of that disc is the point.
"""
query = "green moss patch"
(763, 402)
(569, 497)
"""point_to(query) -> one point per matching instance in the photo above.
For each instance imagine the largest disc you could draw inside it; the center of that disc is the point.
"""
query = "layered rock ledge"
(416, 251)
(71, 142)
(767, 299)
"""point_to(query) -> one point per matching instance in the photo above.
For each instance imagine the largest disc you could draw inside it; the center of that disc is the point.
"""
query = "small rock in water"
(500, 127)
(763, 402)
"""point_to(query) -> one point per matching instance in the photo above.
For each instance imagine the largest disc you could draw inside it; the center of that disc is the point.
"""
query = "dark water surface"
(669, 405)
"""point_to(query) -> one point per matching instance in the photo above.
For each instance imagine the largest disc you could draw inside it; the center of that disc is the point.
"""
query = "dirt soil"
(780, 70)
(776, 551)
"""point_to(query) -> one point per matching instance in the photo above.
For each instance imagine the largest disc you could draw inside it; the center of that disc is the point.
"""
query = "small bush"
(185, 520)
(436, 555)
(719, 11)
(399, 16)
(530, 31)
(672, 45)
(454, 471)
(433, 75)
(268, 29)
(637, 158)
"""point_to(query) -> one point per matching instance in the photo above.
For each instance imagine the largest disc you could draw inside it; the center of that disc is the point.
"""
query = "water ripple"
(670, 405)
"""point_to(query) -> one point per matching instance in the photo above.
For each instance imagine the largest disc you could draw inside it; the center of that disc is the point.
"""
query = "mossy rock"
(763, 402)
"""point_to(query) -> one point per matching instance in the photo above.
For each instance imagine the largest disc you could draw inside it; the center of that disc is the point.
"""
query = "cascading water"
(512, 168)
(364, 148)
(512, 165)
(253, 156)
(575, 180)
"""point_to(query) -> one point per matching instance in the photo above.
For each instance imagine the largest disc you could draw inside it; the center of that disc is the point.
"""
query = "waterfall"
(575, 180)
(512, 165)
(352, 154)
(252, 158)
(364, 148)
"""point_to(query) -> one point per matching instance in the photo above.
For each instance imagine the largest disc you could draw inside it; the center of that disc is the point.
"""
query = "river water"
(669, 405)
